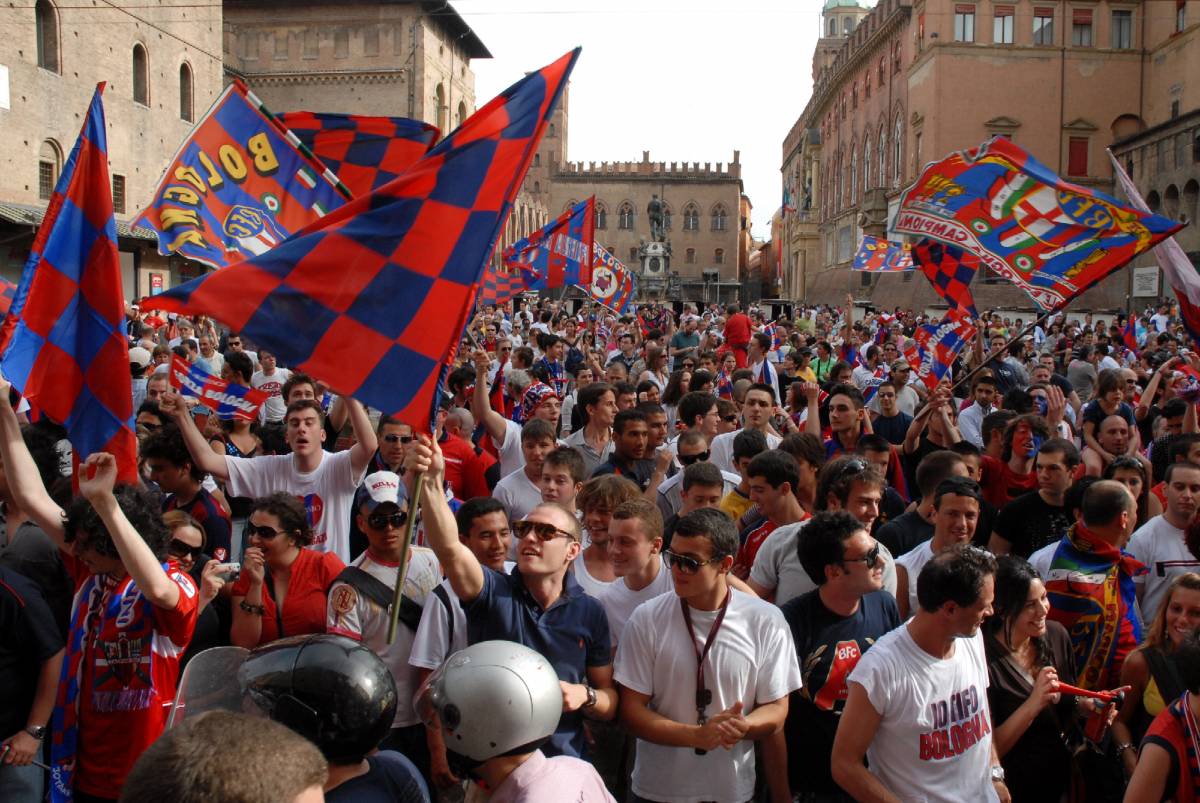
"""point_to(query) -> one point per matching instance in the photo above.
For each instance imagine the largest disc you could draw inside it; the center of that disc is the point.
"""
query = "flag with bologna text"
(936, 345)
(613, 284)
(559, 253)
(1051, 238)
(877, 255)
(373, 297)
(239, 186)
(228, 401)
(64, 346)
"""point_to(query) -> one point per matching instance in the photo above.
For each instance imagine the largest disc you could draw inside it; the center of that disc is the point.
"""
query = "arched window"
(898, 150)
(537, 186)
(847, 26)
(633, 256)
(720, 218)
(601, 217)
(853, 174)
(833, 27)
(185, 92)
(691, 218)
(625, 216)
(1153, 201)
(537, 160)
(439, 96)
(46, 19)
(666, 212)
(719, 256)
(461, 114)
(49, 165)
(689, 256)
(141, 76)
(866, 165)
(552, 129)
(882, 155)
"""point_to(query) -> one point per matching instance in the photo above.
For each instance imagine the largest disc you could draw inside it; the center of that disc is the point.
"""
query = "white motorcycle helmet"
(491, 699)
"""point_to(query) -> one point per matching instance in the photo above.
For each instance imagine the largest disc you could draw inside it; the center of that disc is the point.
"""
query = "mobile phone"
(228, 572)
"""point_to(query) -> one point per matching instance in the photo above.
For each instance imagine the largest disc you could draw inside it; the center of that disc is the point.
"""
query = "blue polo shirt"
(572, 635)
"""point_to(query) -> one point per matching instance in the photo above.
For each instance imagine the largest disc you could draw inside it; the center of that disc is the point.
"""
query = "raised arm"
(24, 481)
(365, 439)
(812, 422)
(481, 406)
(202, 454)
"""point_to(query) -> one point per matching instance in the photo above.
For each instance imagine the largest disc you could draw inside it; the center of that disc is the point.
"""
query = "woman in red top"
(281, 591)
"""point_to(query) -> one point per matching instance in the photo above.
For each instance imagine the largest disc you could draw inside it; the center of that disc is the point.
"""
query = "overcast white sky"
(688, 81)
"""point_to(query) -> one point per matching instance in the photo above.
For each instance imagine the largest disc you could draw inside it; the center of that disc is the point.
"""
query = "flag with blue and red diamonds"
(1050, 238)
(373, 297)
(950, 270)
(559, 253)
(240, 185)
(64, 337)
(937, 345)
(613, 284)
(228, 400)
(1130, 333)
(500, 285)
(8, 291)
(363, 152)
(877, 255)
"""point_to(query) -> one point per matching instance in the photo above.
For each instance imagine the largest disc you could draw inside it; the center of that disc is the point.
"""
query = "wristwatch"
(997, 774)
(37, 731)
(591, 697)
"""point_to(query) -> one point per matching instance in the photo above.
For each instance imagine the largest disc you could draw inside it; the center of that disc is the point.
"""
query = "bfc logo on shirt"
(833, 690)
(314, 507)
(960, 722)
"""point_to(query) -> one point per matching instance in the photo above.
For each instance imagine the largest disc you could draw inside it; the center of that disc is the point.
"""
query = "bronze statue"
(654, 211)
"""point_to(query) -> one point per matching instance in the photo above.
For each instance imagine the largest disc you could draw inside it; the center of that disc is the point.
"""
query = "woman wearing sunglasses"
(282, 588)
(187, 548)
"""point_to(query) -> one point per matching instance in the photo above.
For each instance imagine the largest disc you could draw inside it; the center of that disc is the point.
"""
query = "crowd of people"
(729, 554)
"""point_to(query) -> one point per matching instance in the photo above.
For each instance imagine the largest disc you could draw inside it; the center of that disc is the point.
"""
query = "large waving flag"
(613, 284)
(363, 152)
(239, 186)
(936, 346)
(372, 298)
(877, 255)
(559, 253)
(1050, 238)
(500, 285)
(950, 270)
(64, 338)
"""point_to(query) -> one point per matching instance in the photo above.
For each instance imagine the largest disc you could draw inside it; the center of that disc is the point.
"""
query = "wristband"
(257, 610)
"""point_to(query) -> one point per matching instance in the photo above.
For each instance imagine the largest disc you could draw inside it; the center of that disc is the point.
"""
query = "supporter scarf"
(1181, 710)
(535, 394)
(121, 629)
(558, 378)
(1091, 591)
(723, 387)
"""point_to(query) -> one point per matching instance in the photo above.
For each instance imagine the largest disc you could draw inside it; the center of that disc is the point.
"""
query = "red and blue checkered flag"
(373, 297)
(950, 270)
(499, 285)
(8, 291)
(877, 255)
(937, 345)
(559, 253)
(64, 338)
(363, 152)
(239, 186)
(1051, 238)
(613, 284)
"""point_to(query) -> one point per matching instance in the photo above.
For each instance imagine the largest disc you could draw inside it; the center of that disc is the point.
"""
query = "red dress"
(304, 606)
(737, 336)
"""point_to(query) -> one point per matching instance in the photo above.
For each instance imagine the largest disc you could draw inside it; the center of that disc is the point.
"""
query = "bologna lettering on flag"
(936, 346)
(559, 253)
(613, 284)
(1050, 238)
(228, 401)
(240, 185)
(373, 297)
(876, 255)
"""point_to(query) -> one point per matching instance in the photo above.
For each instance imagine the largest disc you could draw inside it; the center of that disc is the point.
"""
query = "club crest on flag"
(876, 255)
(613, 284)
(936, 345)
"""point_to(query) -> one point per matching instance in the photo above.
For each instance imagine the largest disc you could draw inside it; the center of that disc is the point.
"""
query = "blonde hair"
(1157, 637)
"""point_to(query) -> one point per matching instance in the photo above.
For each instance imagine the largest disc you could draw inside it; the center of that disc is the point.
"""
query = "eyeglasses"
(262, 531)
(398, 438)
(380, 521)
(543, 530)
(688, 459)
(729, 419)
(689, 365)
(180, 549)
(686, 564)
(870, 559)
(855, 465)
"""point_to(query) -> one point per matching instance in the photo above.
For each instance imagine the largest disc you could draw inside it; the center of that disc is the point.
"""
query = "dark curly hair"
(293, 519)
(166, 443)
(83, 524)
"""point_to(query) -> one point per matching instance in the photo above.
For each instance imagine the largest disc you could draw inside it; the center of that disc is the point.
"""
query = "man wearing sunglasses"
(361, 596)
(539, 604)
(696, 713)
(691, 447)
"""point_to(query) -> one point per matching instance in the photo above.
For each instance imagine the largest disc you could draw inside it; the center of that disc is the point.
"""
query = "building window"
(281, 46)
(601, 217)
(460, 115)
(1043, 26)
(866, 84)
(866, 166)
(882, 155)
(719, 256)
(1196, 147)
(964, 23)
(1174, 108)
(1002, 25)
(898, 150)
(185, 92)
(341, 44)
(312, 43)
(49, 164)
(853, 174)
(833, 27)
(1081, 27)
(46, 22)
(371, 41)
(551, 132)
(1160, 155)
(439, 99)
(625, 216)
(719, 218)
(118, 194)
(537, 187)
(141, 76)
(537, 160)
(1180, 150)
(854, 96)
(1077, 156)
(1180, 15)
(882, 70)
(1122, 30)
(689, 256)
(896, 58)
(633, 256)
(666, 213)
(691, 218)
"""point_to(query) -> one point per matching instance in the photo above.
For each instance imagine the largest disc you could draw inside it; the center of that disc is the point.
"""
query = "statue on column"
(654, 211)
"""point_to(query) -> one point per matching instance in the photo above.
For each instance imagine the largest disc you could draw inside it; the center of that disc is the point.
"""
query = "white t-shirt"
(432, 644)
(593, 587)
(1161, 322)
(326, 493)
(274, 408)
(934, 741)
(752, 660)
(619, 602)
(777, 565)
(670, 492)
(1159, 545)
(353, 615)
(721, 450)
(518, 494)
(511, 457)
(913, 561)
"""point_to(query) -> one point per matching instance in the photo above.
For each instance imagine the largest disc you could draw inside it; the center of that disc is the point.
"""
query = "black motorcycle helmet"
(331, 690)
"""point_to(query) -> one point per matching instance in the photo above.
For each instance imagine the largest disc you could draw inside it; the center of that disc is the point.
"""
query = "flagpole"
(409, 527)
(1018, 336)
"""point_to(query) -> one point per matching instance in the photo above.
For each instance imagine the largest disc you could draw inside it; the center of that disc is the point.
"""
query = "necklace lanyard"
(703, 695)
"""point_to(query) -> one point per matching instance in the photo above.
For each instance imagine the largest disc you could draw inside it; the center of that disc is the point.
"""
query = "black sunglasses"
(380, 521)
(870, 559)
(262, 531)
(543, 530)
(398, 438)
(688, 459)
(729, 418)
(179, 549)
(684, 563)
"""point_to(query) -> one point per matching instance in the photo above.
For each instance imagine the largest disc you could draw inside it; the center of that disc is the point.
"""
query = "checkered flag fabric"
(499, 285)
(372, 298)
(950, 270)
(363, 152)
(937, 345)
(64, 337)
(559, 253)
(8, 291)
